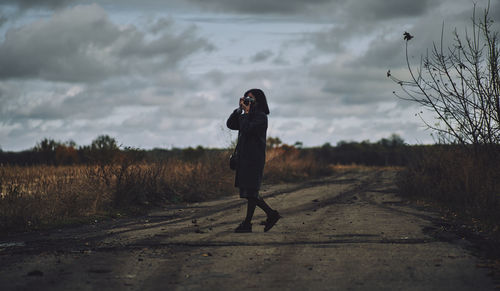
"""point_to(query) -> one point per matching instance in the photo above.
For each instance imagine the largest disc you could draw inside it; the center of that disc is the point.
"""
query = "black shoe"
(271, 220)
(244, 227)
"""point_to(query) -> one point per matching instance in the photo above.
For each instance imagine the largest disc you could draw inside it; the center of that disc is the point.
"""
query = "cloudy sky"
(156, 73)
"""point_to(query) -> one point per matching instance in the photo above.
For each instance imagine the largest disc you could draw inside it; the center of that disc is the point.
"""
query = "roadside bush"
(462, 180)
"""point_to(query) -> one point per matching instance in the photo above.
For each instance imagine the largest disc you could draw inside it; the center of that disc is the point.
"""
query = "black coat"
(251, 147)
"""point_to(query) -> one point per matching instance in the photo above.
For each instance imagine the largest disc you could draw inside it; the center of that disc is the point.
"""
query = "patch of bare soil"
(349, 231)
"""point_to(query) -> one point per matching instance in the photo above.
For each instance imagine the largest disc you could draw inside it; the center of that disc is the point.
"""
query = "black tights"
(252, 203)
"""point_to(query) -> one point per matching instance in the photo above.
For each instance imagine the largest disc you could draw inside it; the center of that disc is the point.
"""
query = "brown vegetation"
(44, 195)
(463, 182)
(39, 195)
(287, 163)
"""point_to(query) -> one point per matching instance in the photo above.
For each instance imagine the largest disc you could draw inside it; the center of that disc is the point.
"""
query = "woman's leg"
(252, 202)
(264, 206)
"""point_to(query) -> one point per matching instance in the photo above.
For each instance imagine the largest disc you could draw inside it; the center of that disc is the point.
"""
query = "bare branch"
(459, 84)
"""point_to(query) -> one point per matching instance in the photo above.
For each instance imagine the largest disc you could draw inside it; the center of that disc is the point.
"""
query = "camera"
(248, 100)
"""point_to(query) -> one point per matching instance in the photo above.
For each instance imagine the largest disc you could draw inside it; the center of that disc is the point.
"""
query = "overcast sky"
(166, 74)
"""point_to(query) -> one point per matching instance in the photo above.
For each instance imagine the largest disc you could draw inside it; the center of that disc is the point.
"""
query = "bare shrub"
(460, 85)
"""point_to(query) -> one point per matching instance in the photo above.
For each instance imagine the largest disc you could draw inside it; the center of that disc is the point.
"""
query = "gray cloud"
(261, 56)
(280, 61)
(381, 35)
(3, 19)
(353, 85)
(387, 49)
(140, 113)
(383, 53)
(387, 9)
(78, 74)
(261, 6)
(96, 101)
(26, 4)
(227, 6)
(495, 11)
(81, 44)
(357, 20)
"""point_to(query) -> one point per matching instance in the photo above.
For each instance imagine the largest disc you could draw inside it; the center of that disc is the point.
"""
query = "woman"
(250, 119)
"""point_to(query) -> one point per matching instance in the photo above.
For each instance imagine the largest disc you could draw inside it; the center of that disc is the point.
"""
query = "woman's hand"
(245, 108)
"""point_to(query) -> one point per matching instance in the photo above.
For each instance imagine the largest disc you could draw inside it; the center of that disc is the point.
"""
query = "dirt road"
(345, 232)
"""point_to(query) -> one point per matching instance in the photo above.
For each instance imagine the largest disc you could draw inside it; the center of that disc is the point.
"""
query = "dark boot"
(244, 227)
(272, 218)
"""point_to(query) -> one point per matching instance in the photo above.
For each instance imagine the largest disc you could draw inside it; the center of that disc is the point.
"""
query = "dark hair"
(260, 98)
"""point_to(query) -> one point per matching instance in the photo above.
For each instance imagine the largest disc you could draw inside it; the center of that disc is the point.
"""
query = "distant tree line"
(391, 151)
(106, 149)
(103, 149)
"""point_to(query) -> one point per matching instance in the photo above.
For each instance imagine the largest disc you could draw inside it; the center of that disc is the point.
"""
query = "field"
(40, 196)
(461, 182)
(429, 219)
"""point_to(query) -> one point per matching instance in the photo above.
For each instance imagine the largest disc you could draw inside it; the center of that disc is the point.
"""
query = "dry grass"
(38, 196)
(462, 182)
(288, 164)
(43, 196)
(34, 195)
